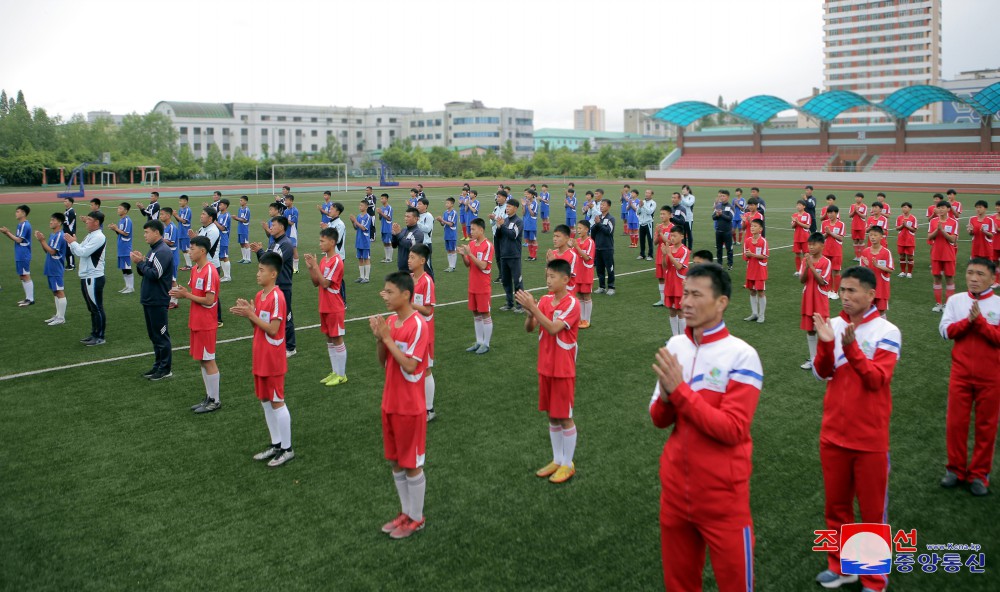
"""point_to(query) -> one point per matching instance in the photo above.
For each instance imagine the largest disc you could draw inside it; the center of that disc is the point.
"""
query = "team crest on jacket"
(992, 317)
(715, 378)
(868, 348)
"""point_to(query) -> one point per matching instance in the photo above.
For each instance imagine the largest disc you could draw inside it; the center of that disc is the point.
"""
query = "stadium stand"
(938, 161)
(814, 161)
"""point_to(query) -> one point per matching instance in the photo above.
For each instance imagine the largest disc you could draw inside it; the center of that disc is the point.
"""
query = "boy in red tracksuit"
(834, 230)
(857, 355)
(906, 227)
(815, 277)
(858, 215)
(708, 385)
(659, 239)
(971, 319)
(878, 219)
(878, 259)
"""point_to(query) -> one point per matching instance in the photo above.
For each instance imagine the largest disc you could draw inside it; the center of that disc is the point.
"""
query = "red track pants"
(963, 397)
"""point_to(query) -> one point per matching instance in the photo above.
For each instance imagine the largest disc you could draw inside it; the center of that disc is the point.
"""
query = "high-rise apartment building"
(467, 125)
(589, 118)
(874, 47)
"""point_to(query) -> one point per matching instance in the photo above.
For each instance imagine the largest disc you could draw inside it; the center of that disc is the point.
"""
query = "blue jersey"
(462, 210)
(363, 240)
(625, 200)
(571, 207)
(54, 263)
(450, 232)
(226, 220)
(632, 216)
(473, 210)
(243, 227)
(185, 214)
(170, 234)
(22, 250)
(292, 213)
(530, 216)
(324, 212)
(386, 218)
(125, 242)
(412, 202)
(739, 204)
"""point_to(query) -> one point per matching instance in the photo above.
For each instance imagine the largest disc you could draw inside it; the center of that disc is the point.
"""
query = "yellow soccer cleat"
(328, 378)
(336, 380)
(547, 470)
(563, 474)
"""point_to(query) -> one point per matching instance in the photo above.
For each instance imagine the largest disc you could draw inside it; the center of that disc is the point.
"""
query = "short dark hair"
(859, 194)
(385, 195)
(125, 205)
(421, 250)
(809, 186)
(983, 203)
(680, 230)
(283, 221)
(272, 260)
(24, 208)
(154, 194)
(449, 200)
(214, 215)
(937, 195)
(96, 215)
(704, 254)
(563, 229)
(331, 233)
(168, 210)
(666, 209)
(584, 223)
(201, 241)
(802, 203)
(184, 197)
(984, 262)
(560, 266)
(245, 198)
(289, 197)
(876, 205)
(327, 193)
(724, 192)
(479, 222)
(402, 280)
(70, 199)
(943, 204)
(906, 204)
(97, 202)
(758, 222)
(338, 206)
(757, 189)
(816, 237)
(865, 276)
(951, 192)
(880, 194)
(286, 187)
(59, 216)
(276, 205)
(722, 285)
(832, 208)
(831, 197)
(154, 225)
(219, 193)
(877, 229)
(224, 200)
(607, 201)
(502, 194)
(425, 201)
(513, 202)
(413, 210)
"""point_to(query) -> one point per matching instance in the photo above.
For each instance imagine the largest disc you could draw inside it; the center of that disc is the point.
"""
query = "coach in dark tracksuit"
(722, 215)
(602, 230)
(405, 237)
(508, 238)
(282, 246)
(157, 271)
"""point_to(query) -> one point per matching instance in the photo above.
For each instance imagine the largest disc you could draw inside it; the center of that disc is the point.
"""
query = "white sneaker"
(49, 320)
(797, 274)
(56, 321)
(937, 308)
(127, 291)
(290, 352)
(807, 366)
(225, 279)
(610, 292)
(830, 579)
(751, 318)
(282, 458)
(760, 319)
(902, 274)
(909, 276)
(834, 296)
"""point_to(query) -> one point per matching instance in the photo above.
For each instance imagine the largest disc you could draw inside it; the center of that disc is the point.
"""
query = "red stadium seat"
(939, 161)
(791, 161)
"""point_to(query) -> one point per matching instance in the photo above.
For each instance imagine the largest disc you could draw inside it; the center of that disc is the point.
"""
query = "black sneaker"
(212, 405)
(87, 339)
(201, 403)
(161, 375)
(95, 341)
(150, 372)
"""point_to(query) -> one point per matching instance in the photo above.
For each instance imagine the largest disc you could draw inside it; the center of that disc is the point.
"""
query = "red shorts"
(807, 323)
(404, 438)
(882, 304)
(203, 344)
(836, 262)
(672, 302)
(555, 396)
(996, 256)
(800, 248)
(661, 272)
(858, 234)
(905, 250)
(479, 302)
(585, 288)
(269, 388)
(754, 285)
(332, 323)
(943, 267)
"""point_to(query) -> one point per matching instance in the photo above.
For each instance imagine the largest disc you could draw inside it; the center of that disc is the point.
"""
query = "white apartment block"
(466, 125)
(260, 129)
(640, 121)
(874, 47)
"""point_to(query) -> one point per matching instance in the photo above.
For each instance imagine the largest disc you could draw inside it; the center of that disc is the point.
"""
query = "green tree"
(507, 152)
(215, 163)
(151, 135)
(187, 164)
(4, 107)
(585, 147)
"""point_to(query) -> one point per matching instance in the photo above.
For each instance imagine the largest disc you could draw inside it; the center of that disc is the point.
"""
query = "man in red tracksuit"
(708, 386)
(971, 319)
(857, 354)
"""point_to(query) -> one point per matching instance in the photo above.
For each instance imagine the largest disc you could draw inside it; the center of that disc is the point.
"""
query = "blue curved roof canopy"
(906, 101)
(826, 106)
(687, 112)
(987, 101)
(760, 108)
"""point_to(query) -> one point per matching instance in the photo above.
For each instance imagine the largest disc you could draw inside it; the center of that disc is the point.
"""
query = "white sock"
(212, 384)
(226, 267)
(661, 286)
(368, 271)
(753, 305)
(246, 253)
(295, 264)
(556, 437)
(479, 329)
(813, 340)
(452, 259)
(388, 253)
(761, 305)
(587, 308)
(429, 391)
(673, 326)
(569, 445)
(174, 301)
(417, 487)
(681, 325)
(130, 281)
(284, 423)
(61, 307)
(403, 490)
(187, 259)
(339, 359)
(487, 330)
(29, 290)
(272, 423)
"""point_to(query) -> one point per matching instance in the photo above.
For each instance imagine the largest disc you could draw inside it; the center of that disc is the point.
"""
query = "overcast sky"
(547, 55)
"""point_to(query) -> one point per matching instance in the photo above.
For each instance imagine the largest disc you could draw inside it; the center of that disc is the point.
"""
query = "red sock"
(836, 284)
(937, 293)
(949, 291)
(465, 233)
(532, 251)
(798, 262)
(545, 225)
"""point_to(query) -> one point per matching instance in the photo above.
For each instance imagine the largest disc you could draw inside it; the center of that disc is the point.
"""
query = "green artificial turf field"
(108, 482)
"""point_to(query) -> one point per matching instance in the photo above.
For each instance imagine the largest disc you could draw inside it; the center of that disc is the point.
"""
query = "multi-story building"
(260, 129)
(467, 125)
(641, 121)
(874, 47)
(964, 85)
(589, 118)
(575, 139)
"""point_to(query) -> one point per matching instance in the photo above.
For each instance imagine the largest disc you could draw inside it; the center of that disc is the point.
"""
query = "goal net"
(309, 177)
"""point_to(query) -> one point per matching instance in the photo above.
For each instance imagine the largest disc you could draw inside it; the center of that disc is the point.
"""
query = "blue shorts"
(223, 251)
(633, 226)
(530, 234)
(294, 241)
(177, 262)
(184, 241)
(624, 215)
(124, 263)
(364, 253)
(56, 283)
(386, 238)
(543, 210)
(449, 245)
(571, 222)
(243, 237)
(23, 267)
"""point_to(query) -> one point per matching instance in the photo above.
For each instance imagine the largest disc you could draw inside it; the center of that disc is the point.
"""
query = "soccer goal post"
(314, 176)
